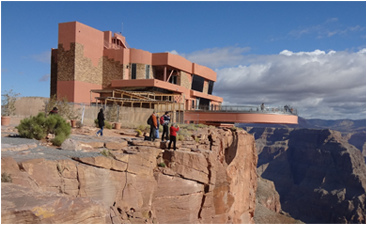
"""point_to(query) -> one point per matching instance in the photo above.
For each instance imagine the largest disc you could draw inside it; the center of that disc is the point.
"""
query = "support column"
(165, 74)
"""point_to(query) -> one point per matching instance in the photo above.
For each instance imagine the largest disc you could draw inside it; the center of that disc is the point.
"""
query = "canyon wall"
(320, 177)
(208, 180)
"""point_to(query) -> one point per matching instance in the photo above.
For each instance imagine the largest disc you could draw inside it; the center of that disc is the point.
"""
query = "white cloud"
(44, 78)
(217, 57)
(327, 29)
(44, 57)
(321, 85)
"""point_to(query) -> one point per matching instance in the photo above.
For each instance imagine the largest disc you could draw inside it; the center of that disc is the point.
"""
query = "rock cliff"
(319, 176)
(210, 180)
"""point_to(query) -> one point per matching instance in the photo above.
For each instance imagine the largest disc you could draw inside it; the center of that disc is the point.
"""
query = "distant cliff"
(320, 177)
(211, 179)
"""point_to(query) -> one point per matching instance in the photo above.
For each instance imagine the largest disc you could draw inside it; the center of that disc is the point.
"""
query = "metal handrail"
(249, 109)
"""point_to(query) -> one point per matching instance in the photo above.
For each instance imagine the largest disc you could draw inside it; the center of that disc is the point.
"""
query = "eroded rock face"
(20, 204)
(319, 176)
(213, 184)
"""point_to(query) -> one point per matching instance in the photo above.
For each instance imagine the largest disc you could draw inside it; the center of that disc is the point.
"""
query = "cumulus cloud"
(327, 85)
(44, 78)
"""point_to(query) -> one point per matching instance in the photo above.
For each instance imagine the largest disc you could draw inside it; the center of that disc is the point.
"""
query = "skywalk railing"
(249, 109)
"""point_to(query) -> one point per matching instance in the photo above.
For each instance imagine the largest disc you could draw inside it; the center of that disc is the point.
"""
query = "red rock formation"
(211, 181)
(319, 176)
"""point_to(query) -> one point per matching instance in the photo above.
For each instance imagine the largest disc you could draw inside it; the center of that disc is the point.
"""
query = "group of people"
(154, 122)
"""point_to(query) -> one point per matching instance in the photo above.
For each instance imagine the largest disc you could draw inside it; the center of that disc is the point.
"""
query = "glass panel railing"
(250, 109)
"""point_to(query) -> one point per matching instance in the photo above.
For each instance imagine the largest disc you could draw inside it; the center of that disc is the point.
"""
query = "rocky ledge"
(210, 180)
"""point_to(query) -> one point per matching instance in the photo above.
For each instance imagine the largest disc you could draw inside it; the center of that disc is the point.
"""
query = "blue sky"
(307, 54)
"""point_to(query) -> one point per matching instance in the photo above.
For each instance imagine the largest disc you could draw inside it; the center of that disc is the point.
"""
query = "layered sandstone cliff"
(320, 177)
(211, 180)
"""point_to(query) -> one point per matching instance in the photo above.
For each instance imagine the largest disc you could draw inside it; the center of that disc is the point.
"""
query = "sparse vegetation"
(107, 124)
(139, 133)
(66, 109)
(162, 164)
(180, 137)
(39, 126)
(143, 128)
(200, 125)
(6, 178)
(8, 103)
(106, 153)
(112, 112)
(197, 139)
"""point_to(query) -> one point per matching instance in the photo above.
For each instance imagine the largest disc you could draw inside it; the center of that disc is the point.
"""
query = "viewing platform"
(242, 114)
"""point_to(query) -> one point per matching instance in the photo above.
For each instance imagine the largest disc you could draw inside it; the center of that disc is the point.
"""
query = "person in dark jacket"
(166, 119)
(153, 126)
(172, 136)
(100, 118)
(53, 111)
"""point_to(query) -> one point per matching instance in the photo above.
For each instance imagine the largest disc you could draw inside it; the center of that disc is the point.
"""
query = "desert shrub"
(200, 125)
(180, 137)
(139, 133)
(79, 124)
(39, 126)
(144, 128)
(106, 153)
(107, 124)
(184, 132)
(197, 139)
(191, 127)
(112, 112)
(8, 103)
(162, 164)
(5, 177)
(160, 129)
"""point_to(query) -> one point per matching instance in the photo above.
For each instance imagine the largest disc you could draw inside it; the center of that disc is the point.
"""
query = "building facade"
(88, 59)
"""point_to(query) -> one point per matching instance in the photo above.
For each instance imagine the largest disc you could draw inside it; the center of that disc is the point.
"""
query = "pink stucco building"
(88, 59)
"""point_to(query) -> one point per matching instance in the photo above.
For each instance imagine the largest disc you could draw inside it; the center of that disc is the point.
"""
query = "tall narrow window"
(147, 68)
(193, 104)
(211, 85)
(173, 79)
(133, 71)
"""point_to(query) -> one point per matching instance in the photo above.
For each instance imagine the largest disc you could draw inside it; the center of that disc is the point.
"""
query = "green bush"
(39, 126)
(5, 177)
(180, 137)
(200, 125)
(139, 132)
(162, 164)
(107, 124)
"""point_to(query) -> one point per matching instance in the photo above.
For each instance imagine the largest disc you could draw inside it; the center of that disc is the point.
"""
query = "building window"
(133, 71)
(197, 83)
(211, 85)
(193, 104)
(147, 68)
(173, 79)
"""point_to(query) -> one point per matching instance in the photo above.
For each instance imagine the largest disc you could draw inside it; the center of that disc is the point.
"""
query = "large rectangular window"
(197, 83)
(210, 88)
(147, 68)
(133, 71)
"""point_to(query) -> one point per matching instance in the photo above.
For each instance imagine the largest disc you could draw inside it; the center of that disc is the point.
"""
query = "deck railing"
(249, 109)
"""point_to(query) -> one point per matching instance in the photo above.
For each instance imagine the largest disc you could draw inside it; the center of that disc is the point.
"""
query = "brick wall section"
(112, 70)
(206, 87)
(184, 80)
(140, 71)
(84, 69)
(65, 63)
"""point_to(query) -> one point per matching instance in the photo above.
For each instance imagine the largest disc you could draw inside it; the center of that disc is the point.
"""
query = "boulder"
(70, 144)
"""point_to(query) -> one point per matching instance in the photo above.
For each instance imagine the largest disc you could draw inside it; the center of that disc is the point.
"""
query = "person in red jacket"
(172, 137)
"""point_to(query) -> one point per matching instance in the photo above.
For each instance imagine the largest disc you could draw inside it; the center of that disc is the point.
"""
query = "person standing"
(153, 126)
(262, 107)
(166, 120)
(53, 111)
(100, 119)
(172, 136)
